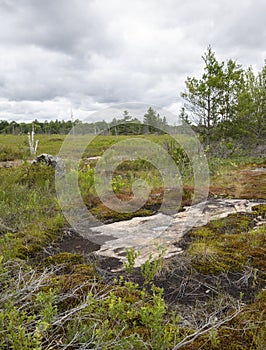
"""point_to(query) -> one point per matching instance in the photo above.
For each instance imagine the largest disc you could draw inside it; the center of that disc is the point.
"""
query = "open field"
(56, 294)
(19, 146)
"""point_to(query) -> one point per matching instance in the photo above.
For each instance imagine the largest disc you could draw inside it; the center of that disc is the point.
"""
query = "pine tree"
(204, 96)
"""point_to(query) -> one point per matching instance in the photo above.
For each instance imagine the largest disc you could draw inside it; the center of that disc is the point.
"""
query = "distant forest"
(125, 125)
(226, 106)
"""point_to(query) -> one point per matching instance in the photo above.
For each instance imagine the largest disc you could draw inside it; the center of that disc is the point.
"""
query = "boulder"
(47, 159)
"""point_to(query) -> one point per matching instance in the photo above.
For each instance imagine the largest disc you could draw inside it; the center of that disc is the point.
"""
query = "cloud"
(91, 54)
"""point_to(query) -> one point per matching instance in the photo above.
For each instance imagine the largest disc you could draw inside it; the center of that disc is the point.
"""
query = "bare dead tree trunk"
(33, 145)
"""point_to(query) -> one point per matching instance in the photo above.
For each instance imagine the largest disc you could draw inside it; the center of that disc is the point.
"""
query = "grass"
(64, 300)
(29, 207)
(52, 143)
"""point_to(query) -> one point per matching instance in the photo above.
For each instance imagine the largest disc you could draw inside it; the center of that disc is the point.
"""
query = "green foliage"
(25, 318)
(14, 329)
(51, 127)
(9, 153)
(126, 125)
(86, 179)
(62, 302)
(204, 95)
(131, 258)
(134, 316)
(64, 258)
(28, 206)
(153, 122)
(118, 317)
(228, 106)
(152, 266)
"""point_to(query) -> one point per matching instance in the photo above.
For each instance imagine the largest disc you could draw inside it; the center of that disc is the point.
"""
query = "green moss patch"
(108, 215)
(229, 244)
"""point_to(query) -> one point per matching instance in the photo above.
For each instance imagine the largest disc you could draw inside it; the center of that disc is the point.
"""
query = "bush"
(9, 153)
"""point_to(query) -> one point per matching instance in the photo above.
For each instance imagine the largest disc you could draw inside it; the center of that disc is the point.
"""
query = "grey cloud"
(243, 27)
(65, 26)
(90, 54)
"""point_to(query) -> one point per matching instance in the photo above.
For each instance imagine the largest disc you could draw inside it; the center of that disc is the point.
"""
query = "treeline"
(227, 104)
(125, 125)
(51, 127)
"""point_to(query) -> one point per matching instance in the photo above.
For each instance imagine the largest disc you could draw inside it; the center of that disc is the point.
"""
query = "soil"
(72, 242)
(11, 163)
(247, 182)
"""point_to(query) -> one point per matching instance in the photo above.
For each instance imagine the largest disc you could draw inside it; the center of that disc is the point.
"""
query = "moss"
(216, 261)
(8, 153)
(233, 223)
(74, 287)
(229, 244)
(187, 195)
(83, 269)
(229, 253)
(75, 275)
(75, 272)
(69, 282)
(107, 215)
(240, 182)
(202, 232)
(127, 296)
(68, 259)
(152, 205)
(140, 330)
(41, 177)
(34, 239)
(250, 248)
(29, 205)
(204, 256)
(259, 209)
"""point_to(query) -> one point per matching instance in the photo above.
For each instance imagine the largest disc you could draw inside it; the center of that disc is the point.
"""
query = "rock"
(47, 159)
(89, 159)
(146, 234)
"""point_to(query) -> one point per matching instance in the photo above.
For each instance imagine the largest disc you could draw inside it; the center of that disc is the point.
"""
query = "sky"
(87, 55)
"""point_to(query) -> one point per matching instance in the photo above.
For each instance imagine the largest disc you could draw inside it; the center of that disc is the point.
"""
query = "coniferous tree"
(204, 96)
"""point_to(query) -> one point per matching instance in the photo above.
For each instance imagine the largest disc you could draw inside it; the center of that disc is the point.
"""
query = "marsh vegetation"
(56, 296)
(56, 293)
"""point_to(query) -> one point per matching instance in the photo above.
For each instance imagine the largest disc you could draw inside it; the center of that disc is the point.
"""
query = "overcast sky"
(89, 54)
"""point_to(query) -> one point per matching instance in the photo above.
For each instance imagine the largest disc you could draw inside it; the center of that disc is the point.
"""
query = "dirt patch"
(248, 182)
(11, 163)
(253, 183)
(72, 242)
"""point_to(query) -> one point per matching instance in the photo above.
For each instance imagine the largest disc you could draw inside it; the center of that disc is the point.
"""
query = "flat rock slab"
(149, 235)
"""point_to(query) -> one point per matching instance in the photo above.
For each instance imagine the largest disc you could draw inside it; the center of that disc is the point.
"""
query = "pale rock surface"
(149, 235)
